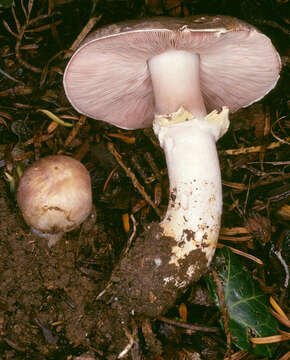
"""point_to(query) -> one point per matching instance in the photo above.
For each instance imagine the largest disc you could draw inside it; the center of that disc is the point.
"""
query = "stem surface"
(195, 202)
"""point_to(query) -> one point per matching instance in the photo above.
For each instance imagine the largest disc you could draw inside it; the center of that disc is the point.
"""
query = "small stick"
(224, 312)
(129, 242)
(260, 182)
(235, 185)
(132, 176)
(149, 158)
(280, 318)
(128, 346)
(253, 149)
(286, 356)
(235, 238)
(42, 138)
(2, 72)
(18, 56)
(88, 27)
(234, 230)
(82, 151)
(278, 308)
(269, 339)
(109, 177)
(75, 130)
(242, 253)
(238, 355)
(43, 27)
(188, 326)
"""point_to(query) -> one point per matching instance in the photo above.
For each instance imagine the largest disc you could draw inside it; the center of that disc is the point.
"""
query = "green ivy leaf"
(247, 306)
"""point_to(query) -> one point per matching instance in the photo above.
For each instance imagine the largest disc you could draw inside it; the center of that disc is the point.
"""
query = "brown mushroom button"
(108, 76)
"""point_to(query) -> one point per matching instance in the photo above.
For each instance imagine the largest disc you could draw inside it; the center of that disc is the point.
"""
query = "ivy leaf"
(247, 306)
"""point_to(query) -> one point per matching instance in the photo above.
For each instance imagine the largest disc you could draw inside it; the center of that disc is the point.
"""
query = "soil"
(48, 306)
(48, 303)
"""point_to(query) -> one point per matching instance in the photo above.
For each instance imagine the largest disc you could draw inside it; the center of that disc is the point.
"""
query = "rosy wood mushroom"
(184, 76)
(54, 196)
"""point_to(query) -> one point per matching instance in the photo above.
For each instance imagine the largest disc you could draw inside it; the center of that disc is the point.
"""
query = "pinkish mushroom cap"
(108, 77)
(54, 194)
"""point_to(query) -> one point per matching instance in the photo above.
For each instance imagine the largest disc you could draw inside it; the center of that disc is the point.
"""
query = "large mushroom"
(54, 195)
(184, 76)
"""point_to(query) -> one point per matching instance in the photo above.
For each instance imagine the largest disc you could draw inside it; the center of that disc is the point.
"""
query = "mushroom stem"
(195, 204)
(175, 80)
(52, 238)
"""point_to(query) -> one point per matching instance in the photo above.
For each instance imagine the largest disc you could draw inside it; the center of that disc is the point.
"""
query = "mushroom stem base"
(171, 255)
(52, 238)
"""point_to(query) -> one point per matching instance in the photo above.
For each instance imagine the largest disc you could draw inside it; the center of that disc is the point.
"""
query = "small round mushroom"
(184, 76)
(54, 196)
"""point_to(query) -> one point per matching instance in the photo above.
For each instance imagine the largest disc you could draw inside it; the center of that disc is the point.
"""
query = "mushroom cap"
(108, 79)
(54, 194)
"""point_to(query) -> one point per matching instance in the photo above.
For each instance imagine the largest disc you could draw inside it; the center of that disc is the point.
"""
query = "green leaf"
(247, 306)
(5, 3)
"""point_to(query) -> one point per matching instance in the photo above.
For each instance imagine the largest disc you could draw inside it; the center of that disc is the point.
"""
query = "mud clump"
(145, 283)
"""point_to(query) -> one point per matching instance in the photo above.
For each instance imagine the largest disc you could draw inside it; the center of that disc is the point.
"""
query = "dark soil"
(48, 306)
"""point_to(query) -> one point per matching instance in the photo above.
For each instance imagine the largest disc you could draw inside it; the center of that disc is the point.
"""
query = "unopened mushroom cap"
(108, 78)
(54, 194)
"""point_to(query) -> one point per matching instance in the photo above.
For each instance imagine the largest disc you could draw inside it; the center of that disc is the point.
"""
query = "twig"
(46, 67)
(125, 138)
(188, 326)
(247, 195)
(234, 230)
(75, 130)
(286, 356)
(277, 308)
(238, 355)
(21, 32)
(148, 157)
(276, 136)
(269, 339)
(280, 318)
(234, 185)
(132, 176)
(253, 149)
(9, 76)
(242, 253)
(44, 27)
(285, 266)
(41, 139)
(260, 182)
(16, 91)
(129, 346)
(109, 177)
(235, 238)
(129, 242)
(224, 312)
(18, 56)
(88, 27)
